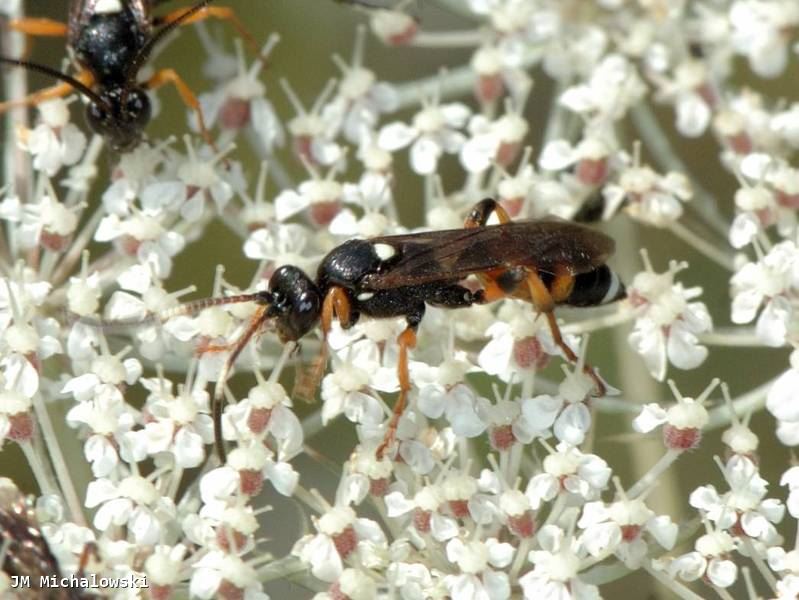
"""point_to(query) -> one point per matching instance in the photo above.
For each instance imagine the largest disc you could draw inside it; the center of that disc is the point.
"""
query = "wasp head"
(121, 116)
(294, 302)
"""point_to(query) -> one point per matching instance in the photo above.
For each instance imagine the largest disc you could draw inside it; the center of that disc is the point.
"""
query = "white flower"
(346, 388)
(768, 283)
(241, 101)
(556, 567)
(164, 567)
(567, 470)
(134, 503)
(646, 195)
(768, 197)
(618, 528)
(476, 579)
(434, 131)
(710, 559)
(361, 99)
(281, 244)
(354, 584)
(255, 462)
(313, 133)
(667, 323)
(791, 479)
(144, 236)
(758, 33)
(135, 170)
(394, 27)
(493, 142)
(520, 343)
(689, 91)
(218, 568)
(267, 411)
(341, 536)
(565, 412)
(443, 392)
(682, 423)
(55, 142)
(178, 424)
(425, 509)
(20, 383)
(743, 510)
(613, 87)
(321, 198)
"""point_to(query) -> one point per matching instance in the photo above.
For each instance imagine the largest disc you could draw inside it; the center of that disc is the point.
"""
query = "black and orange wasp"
(109, 41)
(545, 262)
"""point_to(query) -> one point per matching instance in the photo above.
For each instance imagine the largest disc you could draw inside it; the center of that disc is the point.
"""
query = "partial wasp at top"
(544, 262)
(109, 41)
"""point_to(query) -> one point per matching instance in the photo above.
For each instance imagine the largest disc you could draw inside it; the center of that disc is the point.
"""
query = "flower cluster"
(493, 479)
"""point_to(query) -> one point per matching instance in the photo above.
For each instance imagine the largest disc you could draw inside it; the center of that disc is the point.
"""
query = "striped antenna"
(186, 308)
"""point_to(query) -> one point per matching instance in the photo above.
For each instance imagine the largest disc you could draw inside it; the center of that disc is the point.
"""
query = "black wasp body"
(106, 46)
(396, 276)
(109, 43)
(544, 262)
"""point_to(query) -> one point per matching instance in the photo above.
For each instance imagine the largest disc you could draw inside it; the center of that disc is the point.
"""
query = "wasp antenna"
(143, 54)
(56, 74)
(236, 347)
(195, 306)
(187, 308)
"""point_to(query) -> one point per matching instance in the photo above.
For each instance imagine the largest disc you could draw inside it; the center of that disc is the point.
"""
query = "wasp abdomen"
(596, 287)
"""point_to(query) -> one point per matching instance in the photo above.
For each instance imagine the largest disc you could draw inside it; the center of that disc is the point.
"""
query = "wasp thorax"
(296, 302)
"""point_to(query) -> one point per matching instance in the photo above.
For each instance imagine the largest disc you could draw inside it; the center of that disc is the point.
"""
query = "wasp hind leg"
(544, 301)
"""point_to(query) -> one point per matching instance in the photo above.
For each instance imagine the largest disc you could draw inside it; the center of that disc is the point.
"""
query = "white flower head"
(668, 323)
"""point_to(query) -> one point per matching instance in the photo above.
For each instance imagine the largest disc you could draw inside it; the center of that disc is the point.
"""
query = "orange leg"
(406, 340)
(544, 303)
(491, 291)
(165, 76)
(482, 211)
(336, 305)
(254, 326)
(57, 91)
(223, 13)
(33, 27)
(39, 27)
(561, 287)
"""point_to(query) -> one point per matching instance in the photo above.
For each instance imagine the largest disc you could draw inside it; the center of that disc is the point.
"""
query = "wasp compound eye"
(137, 109)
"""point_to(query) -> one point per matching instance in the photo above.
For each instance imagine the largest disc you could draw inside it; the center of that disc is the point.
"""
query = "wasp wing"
(548, 245)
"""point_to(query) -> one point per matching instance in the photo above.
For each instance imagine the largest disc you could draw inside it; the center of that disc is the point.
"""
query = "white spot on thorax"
(103, 7)
(384, 251)
(364, 296)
